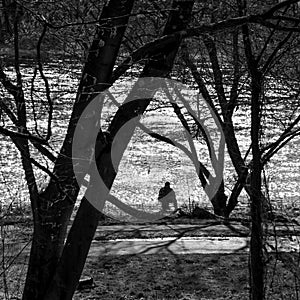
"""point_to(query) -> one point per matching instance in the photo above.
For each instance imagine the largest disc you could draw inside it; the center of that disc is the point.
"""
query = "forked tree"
(52, 271)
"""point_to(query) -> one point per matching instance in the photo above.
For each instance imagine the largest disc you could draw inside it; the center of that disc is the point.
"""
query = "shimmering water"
(147, 163)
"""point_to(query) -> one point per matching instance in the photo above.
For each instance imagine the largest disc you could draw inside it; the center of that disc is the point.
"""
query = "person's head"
(167, 184)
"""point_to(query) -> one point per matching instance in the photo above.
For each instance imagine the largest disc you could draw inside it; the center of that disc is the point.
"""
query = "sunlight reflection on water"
(148, 164)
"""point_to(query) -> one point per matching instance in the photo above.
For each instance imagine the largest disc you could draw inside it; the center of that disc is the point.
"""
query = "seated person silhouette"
(166, 196)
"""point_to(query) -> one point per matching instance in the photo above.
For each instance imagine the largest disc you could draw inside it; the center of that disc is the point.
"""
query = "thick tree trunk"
(256, 242)
(57, 201)
(78, 242)
(219, 201)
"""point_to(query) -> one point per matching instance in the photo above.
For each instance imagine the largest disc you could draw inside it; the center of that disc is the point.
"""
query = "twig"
(26, 136)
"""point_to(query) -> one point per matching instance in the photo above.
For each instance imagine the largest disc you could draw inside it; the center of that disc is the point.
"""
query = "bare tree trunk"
(256, 242)
(84, 226)
(57, 201)
(219, 201)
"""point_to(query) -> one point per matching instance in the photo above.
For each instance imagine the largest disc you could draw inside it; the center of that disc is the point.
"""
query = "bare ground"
(189, 276)
(167, 275)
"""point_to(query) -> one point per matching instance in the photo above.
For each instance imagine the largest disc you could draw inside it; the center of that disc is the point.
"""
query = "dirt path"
(197, 245)
(206, 228)
(188, 245)
(207, 237)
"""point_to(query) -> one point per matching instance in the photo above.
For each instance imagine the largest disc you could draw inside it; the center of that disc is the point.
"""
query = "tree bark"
(256, 264)
(84, 226)
(57, 201)
(256, 242)
(219, 201)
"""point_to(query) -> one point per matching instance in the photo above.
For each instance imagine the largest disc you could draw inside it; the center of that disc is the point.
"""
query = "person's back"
(166, 196)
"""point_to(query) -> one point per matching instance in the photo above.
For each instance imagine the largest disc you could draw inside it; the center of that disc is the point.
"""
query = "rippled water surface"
(147, 163)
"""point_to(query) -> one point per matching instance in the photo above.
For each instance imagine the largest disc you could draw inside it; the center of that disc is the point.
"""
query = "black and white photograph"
(149, 150)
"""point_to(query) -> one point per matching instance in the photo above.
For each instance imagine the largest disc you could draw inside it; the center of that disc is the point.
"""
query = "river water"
(147, 163)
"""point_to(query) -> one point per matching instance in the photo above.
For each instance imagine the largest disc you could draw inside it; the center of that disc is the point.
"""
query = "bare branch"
(285, 18)
(141, 12)
(47, 87)
(159, 44)
(218, 75)
(9, 112)
(32, 102)
(199, 80)
(275, 51)
(26, 136)
(280, 145)
(191, 155)
(32, 184)
(236, 73)
(279, 6)
(43, 150)
(16, 49)
(268, 40)
(279, 27)
(202, 169)
(9, 86)
(277, 145)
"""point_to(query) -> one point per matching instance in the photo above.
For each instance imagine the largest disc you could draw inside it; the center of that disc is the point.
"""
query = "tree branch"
(199, 80)
(159, 44)
(8, 85)
(26, 136)
(9, 112)
(47, 87)
(218, 76)
(272, 57)
(236, 73)
(279, 6)
(276, 146)
(278, 27)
